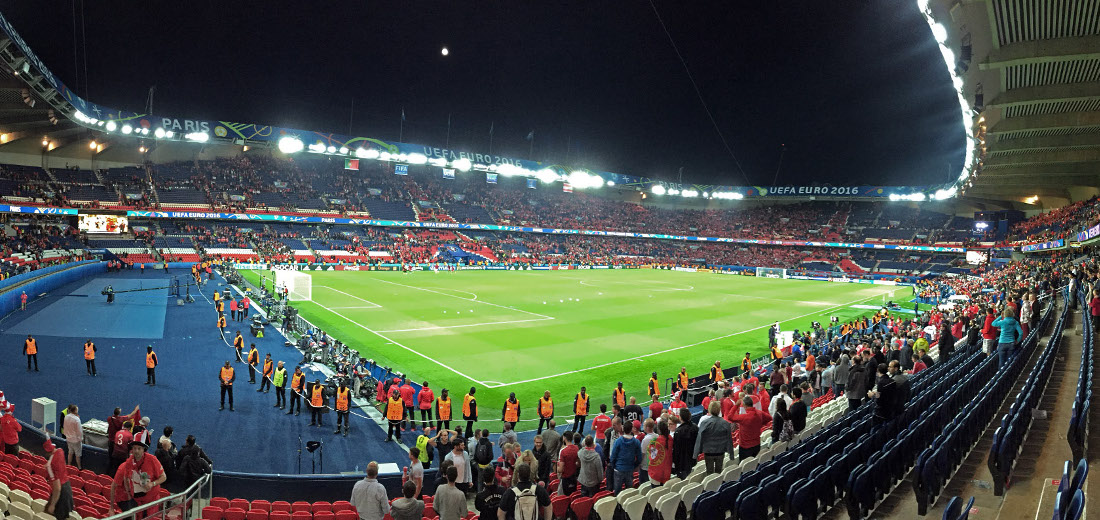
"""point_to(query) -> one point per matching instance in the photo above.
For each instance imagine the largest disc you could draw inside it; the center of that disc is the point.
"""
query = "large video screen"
(976, 257)
(102, 223)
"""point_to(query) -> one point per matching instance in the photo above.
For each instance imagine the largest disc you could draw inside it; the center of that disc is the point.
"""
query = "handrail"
(184, 499)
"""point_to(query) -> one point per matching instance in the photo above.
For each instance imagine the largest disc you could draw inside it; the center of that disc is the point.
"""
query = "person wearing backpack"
(192, 462)
(483, 457)
(526, 500)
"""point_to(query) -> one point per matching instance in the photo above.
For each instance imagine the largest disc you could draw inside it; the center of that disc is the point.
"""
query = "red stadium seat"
(104, 481)
(344, 505)
(240, 503)
(208, 513)
(582, 507)
(281, 506)
(262, 505)
(347, 515)
(221, 502)
(301, 506)
(92, 512)
(283, 515)
(324, 515)
(301, 515)
(560, 506)
(93, 488)
(87, 474)
(321, 505)
(235, 513)
(256, 514)
(76, 483)
(429, 511)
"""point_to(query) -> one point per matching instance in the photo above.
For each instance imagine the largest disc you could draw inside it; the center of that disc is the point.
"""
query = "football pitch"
(531, 331)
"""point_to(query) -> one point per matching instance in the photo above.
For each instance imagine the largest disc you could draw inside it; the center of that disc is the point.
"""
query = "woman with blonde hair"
(527, 457)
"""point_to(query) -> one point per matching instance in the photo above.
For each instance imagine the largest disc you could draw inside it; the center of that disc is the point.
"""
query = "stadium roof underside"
(1032, 67)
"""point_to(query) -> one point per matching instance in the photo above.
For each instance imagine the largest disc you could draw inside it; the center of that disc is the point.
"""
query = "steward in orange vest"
(580, 410)
(297, 389)
(469, 412)
(395, 413)
(316, 403)
(545, 411)
(89, 357)
(510, 412)
(265, 378)
(618, 396)
(150, 366)
(225, 378)
(443, 411)
(343, 402)
(30, 349)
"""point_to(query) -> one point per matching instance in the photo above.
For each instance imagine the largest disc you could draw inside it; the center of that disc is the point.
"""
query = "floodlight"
(689, 193)
(939, 32)
(371, 154)
(384, 156)
(144, 131)
(462, 164)
(198, 137)
(417, 158)
(158, 133)
(126, 129)
(657, 189)
(290, 145)
(547, 175)
(92, 144)
(331, 149)
(169, 134)
(344, 150)
(111, 126)
(610, 183)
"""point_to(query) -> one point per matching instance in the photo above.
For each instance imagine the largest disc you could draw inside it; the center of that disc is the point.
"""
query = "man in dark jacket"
(885, 396)
(798, 410)
(946, 342)
(192, 461)
(683, 445)
(906, 357)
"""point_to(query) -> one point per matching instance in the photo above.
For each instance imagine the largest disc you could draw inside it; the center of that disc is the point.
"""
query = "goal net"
(299, 285)
(771, 272)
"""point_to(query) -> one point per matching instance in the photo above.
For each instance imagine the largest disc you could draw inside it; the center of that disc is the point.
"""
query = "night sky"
(856, 90)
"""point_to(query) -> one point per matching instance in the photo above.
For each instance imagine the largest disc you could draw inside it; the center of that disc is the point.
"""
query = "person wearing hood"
(591, 468)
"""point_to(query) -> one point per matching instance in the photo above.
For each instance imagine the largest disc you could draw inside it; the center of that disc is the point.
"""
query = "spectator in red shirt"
(10, 429)
(57, 476)
(989, 332)
(425, 398)
(918, 365)
(655, 409)
(408, 394)
(138, 479)
(750, 423)
(568, 463)
(601, 423)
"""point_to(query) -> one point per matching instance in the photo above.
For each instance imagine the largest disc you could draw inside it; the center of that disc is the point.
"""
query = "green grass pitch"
(530, 331)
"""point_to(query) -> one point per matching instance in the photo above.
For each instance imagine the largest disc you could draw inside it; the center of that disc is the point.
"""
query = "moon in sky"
(445, 51)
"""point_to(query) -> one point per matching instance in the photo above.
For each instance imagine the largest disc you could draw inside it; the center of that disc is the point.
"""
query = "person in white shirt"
(74, 436)
(369, 496)
(462, 464)
(781, 395)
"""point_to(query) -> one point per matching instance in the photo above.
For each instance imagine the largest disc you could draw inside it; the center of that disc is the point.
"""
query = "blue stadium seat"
(750, 506)
(1076, 506)
(953, 509)
(706, 505)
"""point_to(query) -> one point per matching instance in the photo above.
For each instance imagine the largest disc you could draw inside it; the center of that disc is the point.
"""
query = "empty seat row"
(1078, 433)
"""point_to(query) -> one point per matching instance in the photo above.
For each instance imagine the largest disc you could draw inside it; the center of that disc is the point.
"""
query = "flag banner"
(236, 198)
(566, 187)
(280, 184)
(426, 203)
(374, 191)
(448, 173)
(491, 178)
(134, 196)
(401, 169)
(458, 197)
(338, 202)
(351, 164)
(531, 183)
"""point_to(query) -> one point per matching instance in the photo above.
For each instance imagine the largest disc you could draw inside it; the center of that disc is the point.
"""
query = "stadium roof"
(1032, 69)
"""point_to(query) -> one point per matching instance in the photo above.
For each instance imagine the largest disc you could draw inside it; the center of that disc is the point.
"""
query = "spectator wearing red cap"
(138, 479)
(10, 430)
(57, 476)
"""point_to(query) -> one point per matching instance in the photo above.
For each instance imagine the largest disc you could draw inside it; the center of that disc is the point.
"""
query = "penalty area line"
(673, 349)
(468, 325)
(379, 334)
(465, 299)
(373, 305)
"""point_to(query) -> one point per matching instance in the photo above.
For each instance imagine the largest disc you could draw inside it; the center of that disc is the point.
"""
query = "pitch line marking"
(689, 287)
(379, 334)
(673, 349)
(455, 290)
(468, 325)
(375, 305)
(466, 299)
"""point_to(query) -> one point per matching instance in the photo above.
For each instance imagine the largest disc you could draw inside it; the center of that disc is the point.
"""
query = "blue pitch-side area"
(257, 438)
(84, 312)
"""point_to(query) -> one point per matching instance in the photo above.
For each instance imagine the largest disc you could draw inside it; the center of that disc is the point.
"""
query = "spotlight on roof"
(126, 129)
(462, 164)
(290, 145)
(657, 189)
(158, 133)
(111, 126)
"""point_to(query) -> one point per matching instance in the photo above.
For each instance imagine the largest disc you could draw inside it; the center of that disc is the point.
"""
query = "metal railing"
(180, 506)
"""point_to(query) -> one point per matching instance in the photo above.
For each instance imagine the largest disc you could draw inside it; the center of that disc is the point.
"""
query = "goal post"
(771, 272)
(299, 285)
